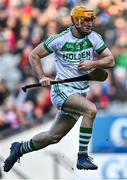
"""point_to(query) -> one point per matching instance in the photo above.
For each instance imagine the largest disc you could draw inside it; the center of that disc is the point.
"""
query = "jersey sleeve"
(51, 44)
(98, 43)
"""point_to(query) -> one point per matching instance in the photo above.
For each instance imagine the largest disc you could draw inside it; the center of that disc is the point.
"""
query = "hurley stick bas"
(95, 75)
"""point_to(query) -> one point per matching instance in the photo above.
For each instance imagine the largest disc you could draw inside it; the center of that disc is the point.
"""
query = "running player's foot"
(13, 156)
(85, 162)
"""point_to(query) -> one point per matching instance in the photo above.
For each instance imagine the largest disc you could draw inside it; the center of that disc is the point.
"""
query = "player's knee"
(91, 112)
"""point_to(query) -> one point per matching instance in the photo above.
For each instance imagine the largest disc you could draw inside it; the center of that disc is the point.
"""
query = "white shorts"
(59, 94)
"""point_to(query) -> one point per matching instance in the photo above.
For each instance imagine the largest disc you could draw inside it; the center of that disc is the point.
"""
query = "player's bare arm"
(34, 58)
(106, 61)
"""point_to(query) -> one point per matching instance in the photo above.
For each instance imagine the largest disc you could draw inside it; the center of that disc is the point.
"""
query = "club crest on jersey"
(77, 46)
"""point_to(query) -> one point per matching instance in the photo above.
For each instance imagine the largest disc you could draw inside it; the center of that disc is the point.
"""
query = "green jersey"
(70, 50)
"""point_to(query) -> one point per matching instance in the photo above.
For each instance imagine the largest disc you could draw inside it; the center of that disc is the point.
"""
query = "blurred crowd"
(26, 23)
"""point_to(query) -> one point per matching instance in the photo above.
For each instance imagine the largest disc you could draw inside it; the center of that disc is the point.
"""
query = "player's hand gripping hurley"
(95, 75)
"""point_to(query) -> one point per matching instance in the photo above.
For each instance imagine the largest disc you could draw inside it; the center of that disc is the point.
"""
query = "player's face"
(87, 25)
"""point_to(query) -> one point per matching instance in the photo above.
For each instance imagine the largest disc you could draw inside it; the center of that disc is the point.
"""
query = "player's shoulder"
(95, 35)
(61, 35)
(65, 32)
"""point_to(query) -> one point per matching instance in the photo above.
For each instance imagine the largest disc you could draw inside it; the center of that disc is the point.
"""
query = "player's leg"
(60, 128)
(79, 104)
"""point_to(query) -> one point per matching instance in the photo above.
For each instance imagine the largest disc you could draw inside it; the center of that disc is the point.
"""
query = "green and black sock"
(27, 147)
(84, 138)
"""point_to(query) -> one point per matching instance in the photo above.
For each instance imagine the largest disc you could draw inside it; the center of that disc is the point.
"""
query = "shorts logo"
(70, 90)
